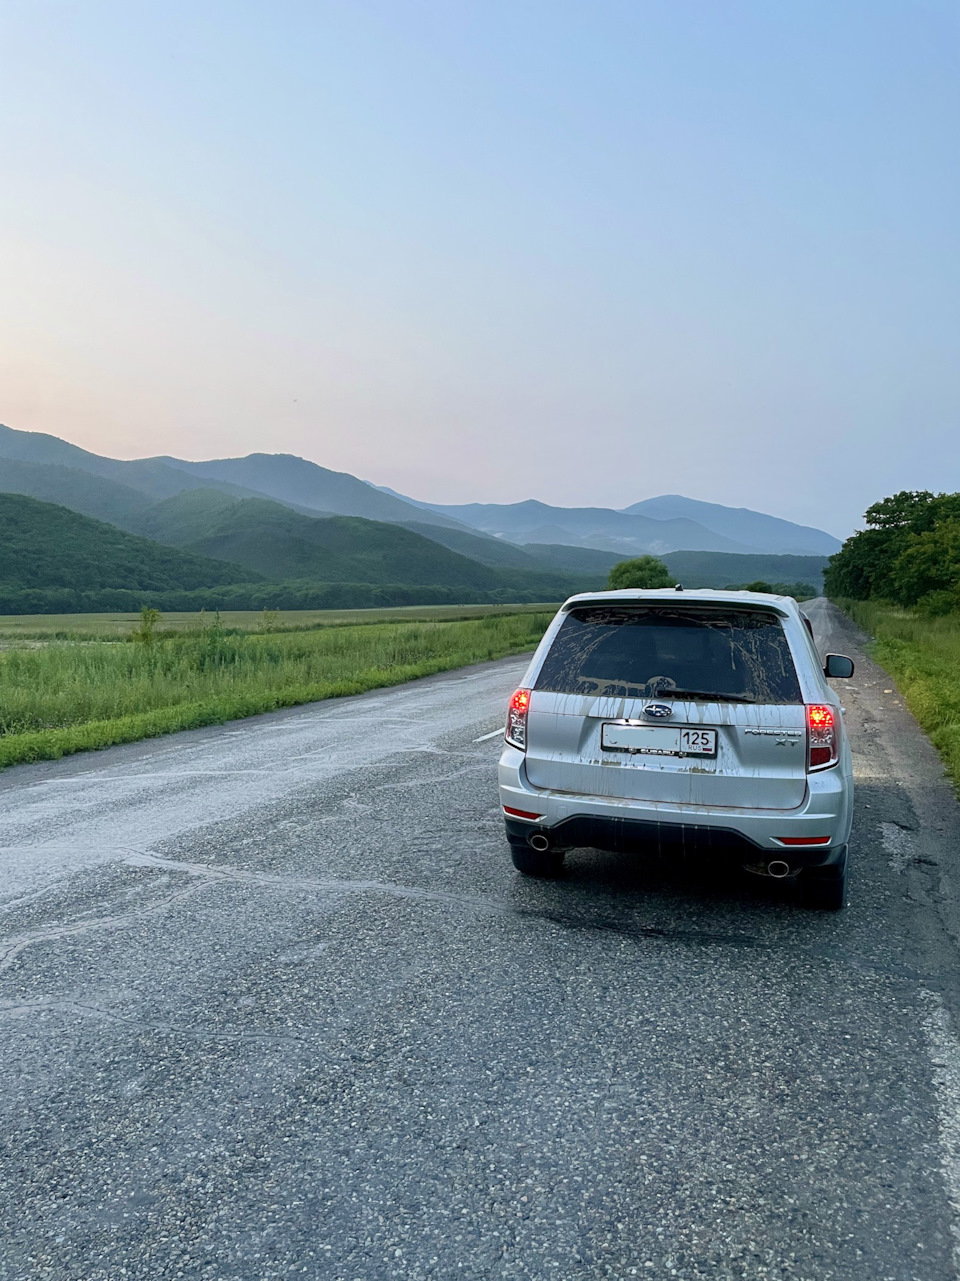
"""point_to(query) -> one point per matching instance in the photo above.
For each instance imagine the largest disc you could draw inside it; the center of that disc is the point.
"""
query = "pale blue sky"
(488, 251)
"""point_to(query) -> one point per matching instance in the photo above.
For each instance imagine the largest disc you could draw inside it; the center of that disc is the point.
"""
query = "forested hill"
(261, 554)
(45, 547)
(288, 546)
(282, 544)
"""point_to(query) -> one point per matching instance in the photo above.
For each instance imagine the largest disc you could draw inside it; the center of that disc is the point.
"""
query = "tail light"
(823, 742)
(516, 731)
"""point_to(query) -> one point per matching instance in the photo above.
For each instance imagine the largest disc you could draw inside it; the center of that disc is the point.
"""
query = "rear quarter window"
(643, 651)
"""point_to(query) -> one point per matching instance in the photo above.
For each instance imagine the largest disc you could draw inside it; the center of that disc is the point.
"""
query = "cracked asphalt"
(273, 1003)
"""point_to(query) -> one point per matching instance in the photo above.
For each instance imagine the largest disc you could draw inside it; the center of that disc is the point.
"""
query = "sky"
(490, 250)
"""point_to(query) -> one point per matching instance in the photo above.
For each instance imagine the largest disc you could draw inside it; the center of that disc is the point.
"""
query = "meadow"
(118, 626)
(923, 656)
(63, 696)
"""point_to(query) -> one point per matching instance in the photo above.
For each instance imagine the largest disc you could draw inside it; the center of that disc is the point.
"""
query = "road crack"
(11, 948)
(565, 920)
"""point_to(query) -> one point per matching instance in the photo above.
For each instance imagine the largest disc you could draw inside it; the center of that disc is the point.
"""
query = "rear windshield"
(624, 652)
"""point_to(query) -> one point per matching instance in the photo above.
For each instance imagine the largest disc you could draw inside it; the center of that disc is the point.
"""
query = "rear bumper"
(571, 821)
(672, 840)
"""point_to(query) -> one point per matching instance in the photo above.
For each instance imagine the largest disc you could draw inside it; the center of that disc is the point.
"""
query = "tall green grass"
(71, 697)
(923, 656)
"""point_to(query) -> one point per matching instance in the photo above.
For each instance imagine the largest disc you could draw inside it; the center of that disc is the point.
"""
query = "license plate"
(650, 740)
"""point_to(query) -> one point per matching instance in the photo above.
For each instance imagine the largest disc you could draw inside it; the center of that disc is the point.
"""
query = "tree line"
(648, 573)
(909, 554)
(255, 596)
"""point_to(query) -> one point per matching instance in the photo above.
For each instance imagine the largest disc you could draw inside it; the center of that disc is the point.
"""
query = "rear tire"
(533, 862)
(825, 888)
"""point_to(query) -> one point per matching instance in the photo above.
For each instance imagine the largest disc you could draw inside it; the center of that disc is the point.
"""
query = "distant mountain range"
(304, 485)
(274, 518)
(657, 525)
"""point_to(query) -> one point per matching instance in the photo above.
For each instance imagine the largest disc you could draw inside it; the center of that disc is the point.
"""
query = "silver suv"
(681, 720)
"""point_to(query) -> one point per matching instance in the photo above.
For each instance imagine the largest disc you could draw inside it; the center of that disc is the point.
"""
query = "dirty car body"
(681, 720)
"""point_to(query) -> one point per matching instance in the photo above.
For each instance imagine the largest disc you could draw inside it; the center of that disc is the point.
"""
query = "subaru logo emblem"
(658, 711)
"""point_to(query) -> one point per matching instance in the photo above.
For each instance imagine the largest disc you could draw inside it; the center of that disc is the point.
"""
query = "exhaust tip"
(778, 868)
(539, 842)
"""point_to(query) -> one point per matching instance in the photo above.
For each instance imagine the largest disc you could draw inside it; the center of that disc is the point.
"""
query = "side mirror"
(838, 666)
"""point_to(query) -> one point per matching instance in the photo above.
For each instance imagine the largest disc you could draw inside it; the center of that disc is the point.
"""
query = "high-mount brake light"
(516, 732)
(823, 742)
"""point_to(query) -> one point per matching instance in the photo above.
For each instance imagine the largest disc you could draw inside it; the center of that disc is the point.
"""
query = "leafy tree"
(861, 568)
(915, 511)
(642, 571)
(929, 563)
(909, 551)
(910, 509)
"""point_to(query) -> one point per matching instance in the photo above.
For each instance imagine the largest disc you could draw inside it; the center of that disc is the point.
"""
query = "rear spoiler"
(609, 600)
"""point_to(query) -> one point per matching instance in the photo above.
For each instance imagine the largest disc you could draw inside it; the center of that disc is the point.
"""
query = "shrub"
(643, 572)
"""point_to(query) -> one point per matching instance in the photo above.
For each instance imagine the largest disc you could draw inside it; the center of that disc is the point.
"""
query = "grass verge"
(68, 697)
(923, 656)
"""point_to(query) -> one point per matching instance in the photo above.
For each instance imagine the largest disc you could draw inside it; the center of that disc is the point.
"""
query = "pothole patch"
(898, 845)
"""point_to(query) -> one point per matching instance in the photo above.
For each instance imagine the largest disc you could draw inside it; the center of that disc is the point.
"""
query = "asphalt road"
(273, 1003)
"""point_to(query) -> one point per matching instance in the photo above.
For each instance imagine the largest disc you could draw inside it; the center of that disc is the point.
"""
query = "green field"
(923, 656)
(40, 627)
(70, 696)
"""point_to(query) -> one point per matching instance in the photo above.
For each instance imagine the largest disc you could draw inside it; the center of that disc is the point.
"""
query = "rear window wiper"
(704, 693)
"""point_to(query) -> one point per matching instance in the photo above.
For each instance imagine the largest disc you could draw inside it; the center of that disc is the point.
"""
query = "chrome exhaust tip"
(538, 842)
(778, 869)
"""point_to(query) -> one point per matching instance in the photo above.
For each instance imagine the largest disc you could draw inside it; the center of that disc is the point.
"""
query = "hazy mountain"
(81, 491)
(488, 551)
(584, 562)
(597, 527)
(404, 498)
(295, 482)
(678, 523)
(102, 486)
(38, 447)
(303, 484)
(150, 476)
(592, 566)
(740, 523)
(574, 560)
